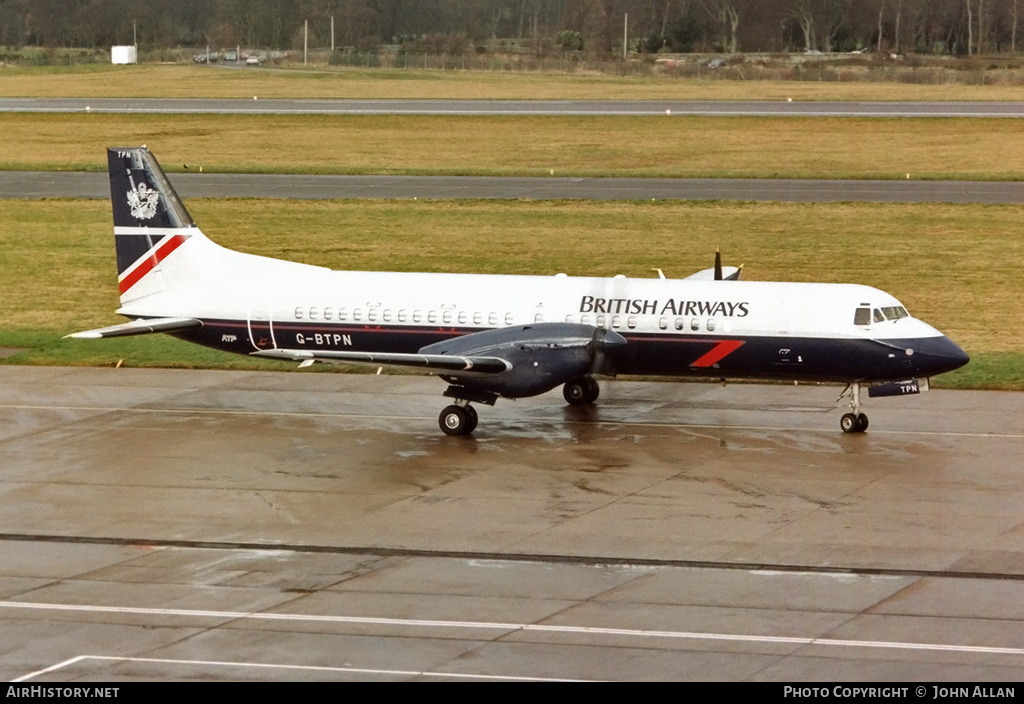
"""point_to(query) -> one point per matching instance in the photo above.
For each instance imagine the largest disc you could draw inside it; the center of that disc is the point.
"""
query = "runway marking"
(512, 628)
(306, 668)
(367, 416)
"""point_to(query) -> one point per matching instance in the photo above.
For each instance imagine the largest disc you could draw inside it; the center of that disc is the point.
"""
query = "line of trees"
(542, 26)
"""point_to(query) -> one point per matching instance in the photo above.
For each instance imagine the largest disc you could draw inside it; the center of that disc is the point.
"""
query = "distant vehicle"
(252, 61)
(200, 58)
(231, 56)
(504, 336)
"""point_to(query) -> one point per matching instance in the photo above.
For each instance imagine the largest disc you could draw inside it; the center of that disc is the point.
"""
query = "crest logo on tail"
(143, 201)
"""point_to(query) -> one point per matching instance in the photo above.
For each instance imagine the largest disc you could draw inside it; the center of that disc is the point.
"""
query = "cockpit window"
(895, 312)
(862, 316)
(879, 318)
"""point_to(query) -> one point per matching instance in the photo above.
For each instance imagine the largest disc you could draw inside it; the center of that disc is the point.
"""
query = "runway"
(51, 184)
(174, 524)
(679, 108)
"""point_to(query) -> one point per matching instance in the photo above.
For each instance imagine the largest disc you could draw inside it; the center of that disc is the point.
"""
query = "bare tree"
(727, 13)
(803, 13)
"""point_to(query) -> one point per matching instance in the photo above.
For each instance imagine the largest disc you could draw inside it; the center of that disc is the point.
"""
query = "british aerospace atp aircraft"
(494, 336)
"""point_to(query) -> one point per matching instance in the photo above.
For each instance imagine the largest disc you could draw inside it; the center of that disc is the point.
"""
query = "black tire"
(593, 389)
(472, 419)
(862, 423)
(575, 392)
(454, 420)
(848, 423)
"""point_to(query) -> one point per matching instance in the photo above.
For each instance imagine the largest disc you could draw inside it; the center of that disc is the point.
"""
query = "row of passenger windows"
(865, 316)
(630, 322)
(402, 316)
(463, 317)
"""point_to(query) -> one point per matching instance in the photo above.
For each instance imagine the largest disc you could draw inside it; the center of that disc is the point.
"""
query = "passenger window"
(539, 318)
(568, 318)
(631, 322)
(371, 314)
(862, 316)
(357, 314)
(401, 316)
(663, 323)
(616, 321)
(328, 313)
(585, 319)
(680, 324)
(387, 316)
(695, 324)
(417, 316)
(478, 318)
(298, 314)
(492, 319)
(446, 316)
(342, 314)
(711, 324)
(432, 316)
(600, 321)
(509, 318)
(312, 313)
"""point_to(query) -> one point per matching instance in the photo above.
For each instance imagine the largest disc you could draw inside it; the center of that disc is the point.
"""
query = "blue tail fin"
(141, 197)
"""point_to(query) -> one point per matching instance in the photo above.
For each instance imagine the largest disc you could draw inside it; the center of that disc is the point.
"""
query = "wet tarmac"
(173, 525)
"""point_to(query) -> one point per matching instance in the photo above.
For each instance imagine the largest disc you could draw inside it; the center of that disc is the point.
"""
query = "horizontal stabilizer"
(438, 362)
(143, 326)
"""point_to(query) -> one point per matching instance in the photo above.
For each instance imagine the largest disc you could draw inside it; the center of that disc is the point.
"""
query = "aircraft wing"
(717, 272)
(142, 326)
(725, 273)
(437, 362)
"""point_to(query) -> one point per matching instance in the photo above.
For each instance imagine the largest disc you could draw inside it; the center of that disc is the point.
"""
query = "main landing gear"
(854, 422)
(582, 391)
(460, 418)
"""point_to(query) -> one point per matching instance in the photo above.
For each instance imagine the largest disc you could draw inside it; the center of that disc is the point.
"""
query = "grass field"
(175, 81)
(956, 266)
(740, 147)
(953, 266)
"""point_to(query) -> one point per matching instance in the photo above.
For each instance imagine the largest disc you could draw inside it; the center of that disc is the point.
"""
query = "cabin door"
(261, 330)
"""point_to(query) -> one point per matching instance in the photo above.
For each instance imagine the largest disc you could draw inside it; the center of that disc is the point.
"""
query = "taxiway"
(173, 524)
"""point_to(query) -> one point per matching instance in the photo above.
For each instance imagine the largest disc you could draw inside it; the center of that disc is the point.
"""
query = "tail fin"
(150, 221)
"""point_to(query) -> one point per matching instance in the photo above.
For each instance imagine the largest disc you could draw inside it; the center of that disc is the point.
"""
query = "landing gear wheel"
(848, 423)
(862, 423)
(593, 390)
(575, 392)
(473, 419)
(455, 420)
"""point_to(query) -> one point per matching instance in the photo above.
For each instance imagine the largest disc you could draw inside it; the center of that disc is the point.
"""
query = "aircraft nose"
(936, 355)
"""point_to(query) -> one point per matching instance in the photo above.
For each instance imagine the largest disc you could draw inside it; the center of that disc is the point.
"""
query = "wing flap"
(142, 326)
(438, 362)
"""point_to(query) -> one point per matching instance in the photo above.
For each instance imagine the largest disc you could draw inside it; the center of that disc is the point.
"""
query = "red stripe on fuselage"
(151, 261)
(718, 353)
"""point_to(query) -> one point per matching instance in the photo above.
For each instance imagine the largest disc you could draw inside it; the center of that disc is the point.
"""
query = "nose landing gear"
(854, 422)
